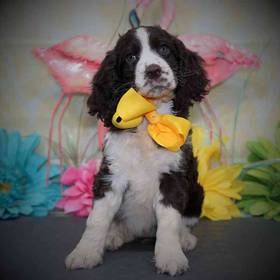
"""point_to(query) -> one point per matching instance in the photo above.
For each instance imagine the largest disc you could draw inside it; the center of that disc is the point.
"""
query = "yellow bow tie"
(166, 130)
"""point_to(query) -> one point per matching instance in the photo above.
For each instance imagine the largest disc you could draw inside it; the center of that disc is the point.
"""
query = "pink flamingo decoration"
(72, 63)
(168, 9)
(222, 59)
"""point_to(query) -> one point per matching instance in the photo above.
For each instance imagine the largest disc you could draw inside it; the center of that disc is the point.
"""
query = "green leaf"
(257, 149)
(273, 212)
(272, 151)
(259, 208)
(253, 158)
(260, 174)
(275, 192)
(276, 166)
(275, 179)
(244, 203)
(247, 177)
(254, 189)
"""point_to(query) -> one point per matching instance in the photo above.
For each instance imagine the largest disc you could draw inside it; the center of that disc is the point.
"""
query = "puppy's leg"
(169, 255)
(89, 251)
(118, 234)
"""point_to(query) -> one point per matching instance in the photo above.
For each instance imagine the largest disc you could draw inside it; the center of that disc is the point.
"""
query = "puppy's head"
(153, 62)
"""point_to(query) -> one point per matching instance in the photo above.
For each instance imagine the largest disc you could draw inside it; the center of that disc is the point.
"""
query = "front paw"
(83, 256)
(171, 261)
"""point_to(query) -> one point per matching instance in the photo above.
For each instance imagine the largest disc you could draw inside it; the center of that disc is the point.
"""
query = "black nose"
(153, 71)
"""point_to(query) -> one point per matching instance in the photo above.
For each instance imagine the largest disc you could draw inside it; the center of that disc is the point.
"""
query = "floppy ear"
(103, 85)
(192, 79)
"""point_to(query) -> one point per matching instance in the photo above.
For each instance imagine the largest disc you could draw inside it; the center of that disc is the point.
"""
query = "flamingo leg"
(101, 133)
(65, 107)
(168, 13)
(102, 130)
(53, 113)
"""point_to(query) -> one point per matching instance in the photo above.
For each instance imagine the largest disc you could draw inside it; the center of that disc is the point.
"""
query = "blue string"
(134, 19)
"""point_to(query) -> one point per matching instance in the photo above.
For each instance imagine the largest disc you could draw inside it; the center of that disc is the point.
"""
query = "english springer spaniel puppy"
(142, 189)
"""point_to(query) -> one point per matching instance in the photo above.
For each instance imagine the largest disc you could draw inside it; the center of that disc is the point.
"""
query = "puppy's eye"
(130, 59)
(164, 50)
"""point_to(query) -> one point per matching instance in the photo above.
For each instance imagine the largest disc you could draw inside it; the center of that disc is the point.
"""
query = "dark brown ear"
(108, 86)
(102, 87)
(192, 79)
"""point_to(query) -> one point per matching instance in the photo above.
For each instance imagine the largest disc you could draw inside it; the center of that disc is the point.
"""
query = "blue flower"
(23, 189)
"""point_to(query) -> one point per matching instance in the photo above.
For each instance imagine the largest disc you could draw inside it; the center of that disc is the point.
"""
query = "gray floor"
(35, 248)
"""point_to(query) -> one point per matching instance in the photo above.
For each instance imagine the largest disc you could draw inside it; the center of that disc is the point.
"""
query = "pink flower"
(77, 199)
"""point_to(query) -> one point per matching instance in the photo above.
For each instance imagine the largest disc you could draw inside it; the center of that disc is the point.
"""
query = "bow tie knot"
(166, 130)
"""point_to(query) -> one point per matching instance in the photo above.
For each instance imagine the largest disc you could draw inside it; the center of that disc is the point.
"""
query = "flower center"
(5, 187)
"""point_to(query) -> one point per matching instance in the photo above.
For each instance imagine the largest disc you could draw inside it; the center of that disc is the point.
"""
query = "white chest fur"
(136, 164)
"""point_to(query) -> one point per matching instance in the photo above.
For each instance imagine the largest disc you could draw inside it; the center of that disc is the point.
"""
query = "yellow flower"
(219, 183)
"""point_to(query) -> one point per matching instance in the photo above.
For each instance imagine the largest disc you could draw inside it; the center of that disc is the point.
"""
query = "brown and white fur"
(142, 189)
